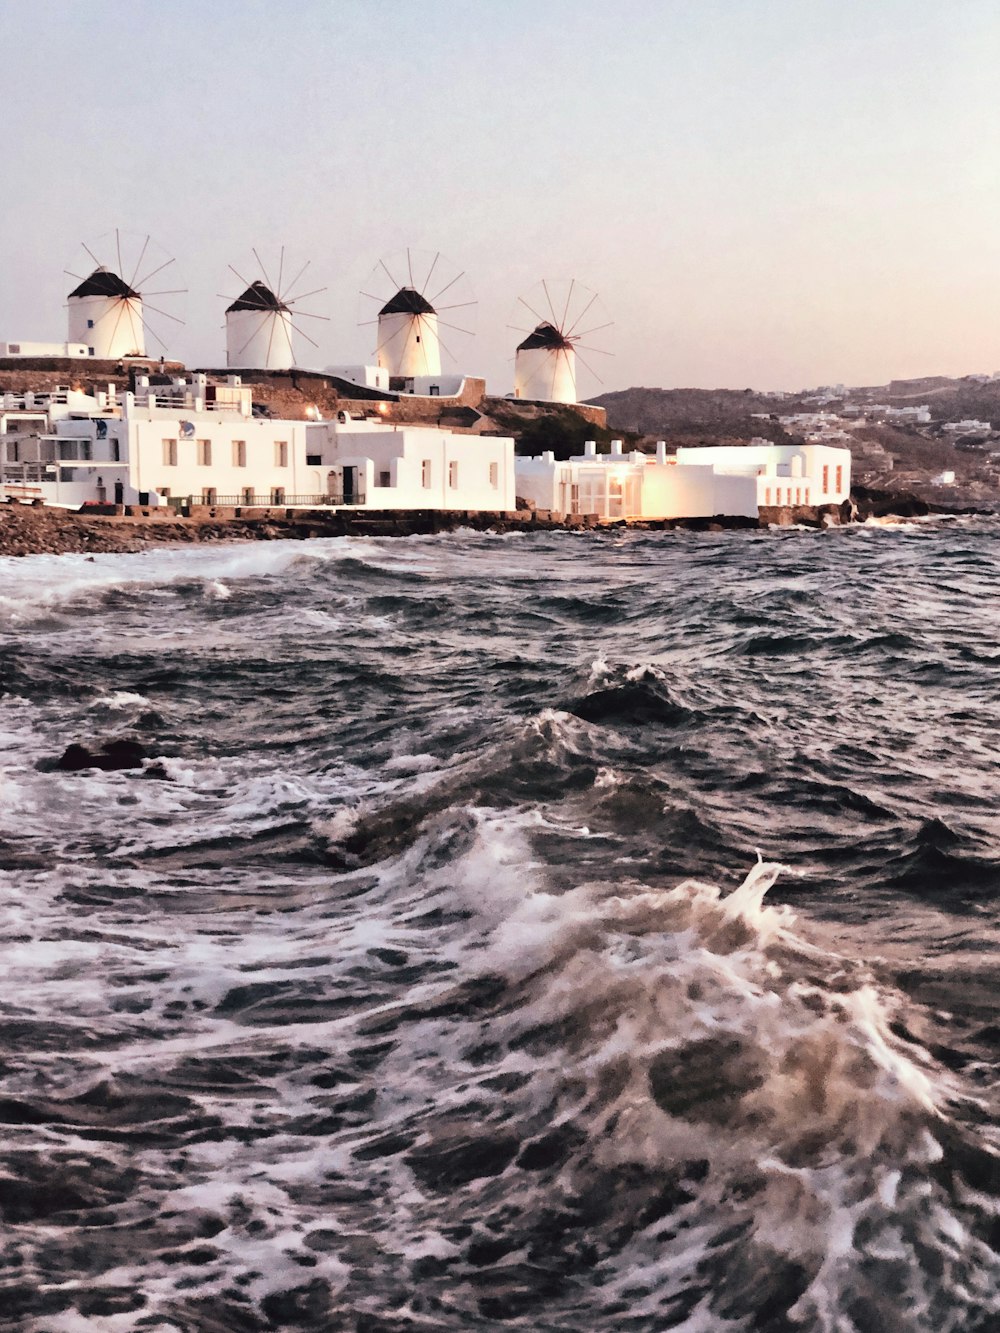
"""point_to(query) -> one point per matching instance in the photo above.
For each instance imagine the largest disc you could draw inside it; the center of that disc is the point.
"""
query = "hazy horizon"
(774, 195)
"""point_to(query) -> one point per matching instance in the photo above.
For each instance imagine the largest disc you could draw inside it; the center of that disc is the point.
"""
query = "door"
(119, 493)
(350, 485)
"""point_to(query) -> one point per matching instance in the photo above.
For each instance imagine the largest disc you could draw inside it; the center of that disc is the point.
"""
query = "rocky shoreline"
(37, 530)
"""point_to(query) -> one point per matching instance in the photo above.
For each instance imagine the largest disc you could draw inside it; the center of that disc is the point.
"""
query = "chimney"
(661, 451)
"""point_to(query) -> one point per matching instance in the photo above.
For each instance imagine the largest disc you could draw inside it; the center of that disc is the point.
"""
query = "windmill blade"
(175, 291)
(138, 263)
(379, 299)
(456, 327)
(409, 265)
(517, 329)
(166, 314)
(254, 333)
(443, 344)
(144, 280)
(396, 285)
(569, 297)
(391, 338)
(281, 269)
(592, 370)
(541, 318)
(581, 314)
(455, 279)
(121, 311)
(149, 329)
(599, 351)
(262, 269)
(292, 284)
(596, 328)
(242, 279)
(458, 305)
(305, 295)
(70, 274)
(132, 312)
(269, 342)
(302, 334)
(555, 317)
(427, 280)
(304, 314)
(118, 247)
(92, 255)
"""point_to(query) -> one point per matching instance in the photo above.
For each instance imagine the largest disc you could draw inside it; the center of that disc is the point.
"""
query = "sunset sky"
(777, 193)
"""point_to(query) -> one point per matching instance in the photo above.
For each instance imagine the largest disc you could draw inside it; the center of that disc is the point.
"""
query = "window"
(246, 496)
(281, 453)
(798, 495)
(767, 495)
(116, 451)
(494, 475)
(169, 453)
(239, 453)
(384, 479)
(453, 475)
(425, 473)
(840, 479)
(826, 480)
(314, 460)
(90, 351)
(807, 495)
(204, 453)
(277, 495)
(208, 494)
(90, 323)
(164, 491)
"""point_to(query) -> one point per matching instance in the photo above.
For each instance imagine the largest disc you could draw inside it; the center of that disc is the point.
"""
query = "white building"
(33, 349)
(412, 467)
(408, 343)
(696, 483)
(545, 366)
(199, 442)
(105, 314)
(259, 331)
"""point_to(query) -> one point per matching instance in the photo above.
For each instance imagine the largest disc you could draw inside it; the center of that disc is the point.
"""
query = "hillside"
(694, 413)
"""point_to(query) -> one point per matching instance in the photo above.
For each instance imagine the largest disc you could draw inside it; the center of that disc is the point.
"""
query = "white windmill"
(260, 323)
(545, 362)
(402, 297)
(109, 312)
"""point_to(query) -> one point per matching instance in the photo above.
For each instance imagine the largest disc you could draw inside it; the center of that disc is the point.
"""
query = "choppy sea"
(541, 932)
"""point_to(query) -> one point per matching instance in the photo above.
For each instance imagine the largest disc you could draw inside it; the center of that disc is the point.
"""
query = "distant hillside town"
(95, 422)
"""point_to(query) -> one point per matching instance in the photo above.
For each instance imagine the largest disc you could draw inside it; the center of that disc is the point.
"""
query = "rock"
(113, 754)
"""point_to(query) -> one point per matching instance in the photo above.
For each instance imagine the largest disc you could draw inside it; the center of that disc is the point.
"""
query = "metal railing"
(284, 502)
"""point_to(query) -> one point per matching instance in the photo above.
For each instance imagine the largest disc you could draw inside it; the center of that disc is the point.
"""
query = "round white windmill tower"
(545, 366)
(108, 311)
(408, 342)
(545, 362)
(260, 322)
(408, 313)
(105, 314)
(259, 331)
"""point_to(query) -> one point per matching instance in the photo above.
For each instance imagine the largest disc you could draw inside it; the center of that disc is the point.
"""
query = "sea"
(542, 931)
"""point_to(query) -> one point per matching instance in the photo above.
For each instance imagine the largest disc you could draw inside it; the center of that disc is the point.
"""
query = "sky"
(766, 193)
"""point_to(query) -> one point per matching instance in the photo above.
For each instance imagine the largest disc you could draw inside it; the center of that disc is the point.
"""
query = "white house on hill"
(697, 483)
(200, 442)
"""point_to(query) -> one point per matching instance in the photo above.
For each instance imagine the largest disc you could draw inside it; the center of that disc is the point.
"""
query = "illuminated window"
(826, 479)
(840, 479)
(767, 495)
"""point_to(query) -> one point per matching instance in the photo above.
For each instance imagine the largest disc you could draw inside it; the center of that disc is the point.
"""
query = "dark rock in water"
(113, 754)
(301, 1305)
(451, 1162)
(157, 772)
(551, 1149)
